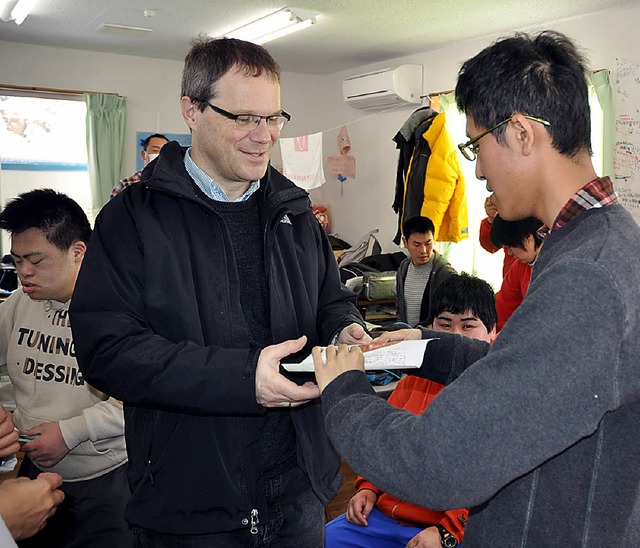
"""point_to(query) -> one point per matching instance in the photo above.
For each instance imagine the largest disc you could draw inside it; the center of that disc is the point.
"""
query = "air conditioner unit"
(401, 85)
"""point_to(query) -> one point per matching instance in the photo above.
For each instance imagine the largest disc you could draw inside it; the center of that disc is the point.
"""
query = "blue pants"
(382, 532)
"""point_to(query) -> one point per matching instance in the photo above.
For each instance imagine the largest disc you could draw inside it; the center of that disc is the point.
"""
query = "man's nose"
(261, 133)
(24, 269)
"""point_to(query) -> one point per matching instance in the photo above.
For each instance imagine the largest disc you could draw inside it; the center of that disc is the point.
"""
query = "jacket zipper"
(148, 462)
(254, 521)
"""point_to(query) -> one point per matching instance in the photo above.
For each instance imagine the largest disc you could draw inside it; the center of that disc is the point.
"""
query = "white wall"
(152, 86)
(365, 202)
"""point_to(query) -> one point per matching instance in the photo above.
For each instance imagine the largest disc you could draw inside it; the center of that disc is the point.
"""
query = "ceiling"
(347, 33)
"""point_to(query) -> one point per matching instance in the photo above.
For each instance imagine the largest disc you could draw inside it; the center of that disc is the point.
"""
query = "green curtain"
(105, 144)
(601, 83)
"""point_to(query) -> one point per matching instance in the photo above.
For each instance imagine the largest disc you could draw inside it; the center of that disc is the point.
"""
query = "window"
(43, 145)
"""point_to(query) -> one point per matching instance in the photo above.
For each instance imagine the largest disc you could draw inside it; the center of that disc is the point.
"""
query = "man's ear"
(78, 248)
(188, 108)
(528, 239)
(404, 241)
(525, 135)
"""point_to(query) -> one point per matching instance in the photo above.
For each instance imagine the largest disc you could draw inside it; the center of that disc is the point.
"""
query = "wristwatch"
(447, 539)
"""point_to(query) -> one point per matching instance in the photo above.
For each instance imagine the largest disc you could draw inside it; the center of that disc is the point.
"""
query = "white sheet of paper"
(399, 355)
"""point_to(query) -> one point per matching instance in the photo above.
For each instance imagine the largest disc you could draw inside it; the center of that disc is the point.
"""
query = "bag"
(368, 245)
(378, 286)
(353, 270)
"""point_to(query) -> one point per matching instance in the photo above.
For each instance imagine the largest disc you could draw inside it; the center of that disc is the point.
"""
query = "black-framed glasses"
(249, 122)
(470, 150)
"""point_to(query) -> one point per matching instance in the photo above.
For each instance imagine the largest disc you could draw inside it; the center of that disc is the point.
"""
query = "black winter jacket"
(158, 324)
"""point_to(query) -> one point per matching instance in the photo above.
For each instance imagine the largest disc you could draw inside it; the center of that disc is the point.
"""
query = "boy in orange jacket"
(465, 305)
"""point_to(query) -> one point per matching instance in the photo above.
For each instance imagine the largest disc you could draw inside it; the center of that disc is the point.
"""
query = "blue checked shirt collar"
(212, 189)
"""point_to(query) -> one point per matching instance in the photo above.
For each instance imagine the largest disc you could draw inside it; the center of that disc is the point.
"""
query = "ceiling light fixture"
(270, 27)
(116, 26)
(16, 10)
(21, 10)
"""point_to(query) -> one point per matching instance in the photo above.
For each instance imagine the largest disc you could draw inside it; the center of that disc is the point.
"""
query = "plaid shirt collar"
(597, 193)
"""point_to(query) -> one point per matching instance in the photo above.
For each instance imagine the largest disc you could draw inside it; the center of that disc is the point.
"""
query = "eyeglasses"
(470, 149)
(249, 122)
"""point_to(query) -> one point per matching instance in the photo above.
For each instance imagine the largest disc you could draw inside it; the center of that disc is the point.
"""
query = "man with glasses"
(197, 277)
(539, 435)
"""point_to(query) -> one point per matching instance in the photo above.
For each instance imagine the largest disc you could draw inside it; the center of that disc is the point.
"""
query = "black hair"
(462, 292)
(209, 59)
(60, 218)
(542, 76)
(146, 142)
(417, 225)
(514, 233)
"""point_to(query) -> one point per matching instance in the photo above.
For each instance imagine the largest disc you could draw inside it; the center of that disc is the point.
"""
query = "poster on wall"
(626, 159)
(183, 138)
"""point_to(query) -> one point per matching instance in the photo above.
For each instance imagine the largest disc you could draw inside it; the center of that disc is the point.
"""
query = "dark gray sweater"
(541, 437)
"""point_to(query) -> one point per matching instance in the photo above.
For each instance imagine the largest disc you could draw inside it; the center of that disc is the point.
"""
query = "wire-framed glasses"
(470, 150)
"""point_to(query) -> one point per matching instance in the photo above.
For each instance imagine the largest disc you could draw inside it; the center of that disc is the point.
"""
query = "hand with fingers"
(360, 505)
(427, 538)
(25, 505)
(8, 434)
(490, 209)
(272, 388)
(338, 360)
(354, 334)
(400, 335)
(48, 447)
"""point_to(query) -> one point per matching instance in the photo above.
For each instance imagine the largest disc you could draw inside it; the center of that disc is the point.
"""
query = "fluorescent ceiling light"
(21, 10)
(275, 25)
(126, 27)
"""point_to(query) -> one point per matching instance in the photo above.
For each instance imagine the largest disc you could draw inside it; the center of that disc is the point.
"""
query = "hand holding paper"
(337, 360)
(274, 390)
(378, 355)
(354, 334)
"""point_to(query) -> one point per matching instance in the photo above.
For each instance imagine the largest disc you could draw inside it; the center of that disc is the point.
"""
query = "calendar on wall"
(626, 159)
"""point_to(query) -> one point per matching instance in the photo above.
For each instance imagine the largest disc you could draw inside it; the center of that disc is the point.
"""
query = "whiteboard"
(626, 159)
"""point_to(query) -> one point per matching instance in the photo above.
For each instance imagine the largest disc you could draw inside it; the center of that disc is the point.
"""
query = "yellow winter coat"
(444, 187)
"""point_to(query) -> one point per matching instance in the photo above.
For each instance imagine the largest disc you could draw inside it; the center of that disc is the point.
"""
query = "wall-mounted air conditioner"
(383, 88)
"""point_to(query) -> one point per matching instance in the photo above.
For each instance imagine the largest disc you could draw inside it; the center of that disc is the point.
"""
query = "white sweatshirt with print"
(36, 343)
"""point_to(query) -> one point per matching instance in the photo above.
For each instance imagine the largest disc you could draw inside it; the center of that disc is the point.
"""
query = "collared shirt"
(124, 183)
(212, 189)
(597, 193)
